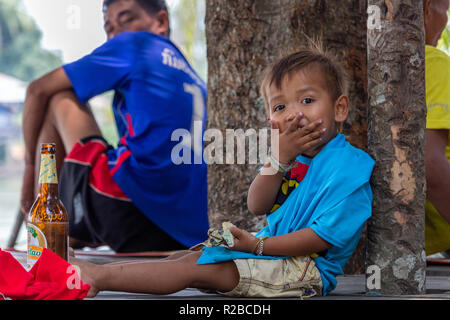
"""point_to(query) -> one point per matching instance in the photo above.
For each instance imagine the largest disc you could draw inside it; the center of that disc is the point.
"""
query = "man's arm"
(38, 95)
(438, 171)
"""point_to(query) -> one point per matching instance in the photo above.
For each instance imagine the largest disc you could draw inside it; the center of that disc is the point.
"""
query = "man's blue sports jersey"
(156, 93)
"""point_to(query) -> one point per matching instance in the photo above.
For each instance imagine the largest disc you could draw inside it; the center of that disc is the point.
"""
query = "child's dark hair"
(335, 75)
(150, 6)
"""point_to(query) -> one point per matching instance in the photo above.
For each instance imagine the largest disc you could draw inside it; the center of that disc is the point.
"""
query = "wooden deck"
(349, 287)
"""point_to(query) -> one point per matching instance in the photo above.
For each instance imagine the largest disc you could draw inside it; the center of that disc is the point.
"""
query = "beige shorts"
(291, 277)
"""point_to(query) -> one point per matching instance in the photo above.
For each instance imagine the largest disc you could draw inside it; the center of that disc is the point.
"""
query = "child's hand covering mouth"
(303, 122)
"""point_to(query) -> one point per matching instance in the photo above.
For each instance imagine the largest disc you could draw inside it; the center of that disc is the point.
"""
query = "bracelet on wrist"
(259, 247)
(281, 167)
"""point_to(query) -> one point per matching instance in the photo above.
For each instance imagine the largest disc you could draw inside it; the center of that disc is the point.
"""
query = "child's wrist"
(280, 165)
(286, 160)
(259, 247)
(282, 157)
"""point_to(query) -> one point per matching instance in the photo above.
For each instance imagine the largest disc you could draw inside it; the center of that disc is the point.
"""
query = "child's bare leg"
(178, 255)
(173, 256)
(160, 276)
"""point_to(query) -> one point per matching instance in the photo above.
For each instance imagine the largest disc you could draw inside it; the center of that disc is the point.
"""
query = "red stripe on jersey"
(123, 141)
(130, 125)
(121, 159)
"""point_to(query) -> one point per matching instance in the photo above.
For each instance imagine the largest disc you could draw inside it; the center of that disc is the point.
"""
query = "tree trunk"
(243, 37)
(397, 116)
(342, 27)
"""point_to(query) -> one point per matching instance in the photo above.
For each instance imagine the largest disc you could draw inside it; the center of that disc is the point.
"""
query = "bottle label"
(36, 244)
(48, 173)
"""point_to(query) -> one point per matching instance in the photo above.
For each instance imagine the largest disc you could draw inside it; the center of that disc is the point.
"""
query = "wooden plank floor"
(348, 287)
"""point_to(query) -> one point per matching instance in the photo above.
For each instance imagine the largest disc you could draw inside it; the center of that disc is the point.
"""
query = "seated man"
(133, 197)
(437, 73)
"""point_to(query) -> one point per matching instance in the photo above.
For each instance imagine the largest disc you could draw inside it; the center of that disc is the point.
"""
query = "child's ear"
(341, 108)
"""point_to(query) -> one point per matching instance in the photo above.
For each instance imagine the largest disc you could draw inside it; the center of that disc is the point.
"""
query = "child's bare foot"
(87, 274)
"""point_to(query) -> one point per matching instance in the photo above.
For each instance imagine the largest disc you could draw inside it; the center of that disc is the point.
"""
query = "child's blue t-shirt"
(159, 103)
(333, 198)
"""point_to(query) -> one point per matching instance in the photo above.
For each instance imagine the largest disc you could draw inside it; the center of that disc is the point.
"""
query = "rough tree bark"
(243, 36)
(397, 113)
(342, 27)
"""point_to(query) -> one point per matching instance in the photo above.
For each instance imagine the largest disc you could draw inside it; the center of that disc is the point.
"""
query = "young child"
(316, 188)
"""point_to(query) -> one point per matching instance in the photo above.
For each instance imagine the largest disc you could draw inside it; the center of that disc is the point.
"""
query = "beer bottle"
(47, 221)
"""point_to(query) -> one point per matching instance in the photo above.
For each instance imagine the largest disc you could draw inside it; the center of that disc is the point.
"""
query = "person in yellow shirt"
(437, 82)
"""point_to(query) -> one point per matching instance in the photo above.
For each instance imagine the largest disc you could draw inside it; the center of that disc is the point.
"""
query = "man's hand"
(297, 138)
(27, 195)
(243, 240)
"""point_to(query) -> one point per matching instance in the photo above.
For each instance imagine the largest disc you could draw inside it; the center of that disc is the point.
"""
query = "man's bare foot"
(87, 274)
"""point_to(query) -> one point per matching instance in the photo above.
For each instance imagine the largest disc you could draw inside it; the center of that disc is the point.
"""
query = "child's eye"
(307, 100)
(279, 107)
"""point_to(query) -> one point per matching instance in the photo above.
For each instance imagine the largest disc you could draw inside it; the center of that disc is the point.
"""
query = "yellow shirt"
(437, 80)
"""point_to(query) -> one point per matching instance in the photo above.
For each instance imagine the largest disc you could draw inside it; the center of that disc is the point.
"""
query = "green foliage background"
(21, 54)
(187, 19)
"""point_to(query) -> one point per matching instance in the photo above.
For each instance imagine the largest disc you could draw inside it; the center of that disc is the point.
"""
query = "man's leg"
(160, 276)
(66, 122)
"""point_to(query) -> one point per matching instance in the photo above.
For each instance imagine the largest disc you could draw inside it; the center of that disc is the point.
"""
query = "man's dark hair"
(150, 6)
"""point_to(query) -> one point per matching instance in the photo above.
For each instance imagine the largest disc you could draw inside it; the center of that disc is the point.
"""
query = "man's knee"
(58, 105)
(71, 119)
(63, 99)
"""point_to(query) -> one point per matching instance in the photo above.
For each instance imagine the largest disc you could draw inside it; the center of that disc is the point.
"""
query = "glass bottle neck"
(47, 172)
(48, 190)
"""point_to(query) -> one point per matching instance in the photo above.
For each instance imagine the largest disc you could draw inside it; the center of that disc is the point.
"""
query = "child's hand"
(298, 137)
(243, 240)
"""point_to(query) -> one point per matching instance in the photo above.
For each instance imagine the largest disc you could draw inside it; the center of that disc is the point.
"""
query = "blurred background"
(37, 36)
